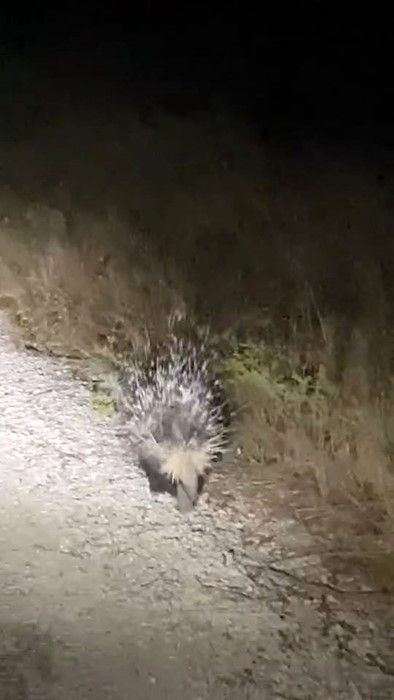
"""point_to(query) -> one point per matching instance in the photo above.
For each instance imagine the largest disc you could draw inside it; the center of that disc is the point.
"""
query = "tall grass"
(294, 420)
(100, 290)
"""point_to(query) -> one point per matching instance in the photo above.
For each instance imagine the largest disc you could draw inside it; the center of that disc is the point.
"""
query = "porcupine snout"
(186, 498)
(187, 489)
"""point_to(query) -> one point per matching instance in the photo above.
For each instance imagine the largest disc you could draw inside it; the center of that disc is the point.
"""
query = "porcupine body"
(175, 418)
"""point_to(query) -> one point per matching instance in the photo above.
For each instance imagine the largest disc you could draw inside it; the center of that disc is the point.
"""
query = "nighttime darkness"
(196, 352)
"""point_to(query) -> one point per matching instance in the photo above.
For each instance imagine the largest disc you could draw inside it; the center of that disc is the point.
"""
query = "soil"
(108, 592)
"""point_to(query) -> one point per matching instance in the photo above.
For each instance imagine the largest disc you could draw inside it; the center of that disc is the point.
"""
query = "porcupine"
(175, 417)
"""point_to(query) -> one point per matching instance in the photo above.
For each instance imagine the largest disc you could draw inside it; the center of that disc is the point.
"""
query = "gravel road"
(108, 593)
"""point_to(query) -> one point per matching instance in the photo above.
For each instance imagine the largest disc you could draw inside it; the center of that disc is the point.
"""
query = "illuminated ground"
(107, 593)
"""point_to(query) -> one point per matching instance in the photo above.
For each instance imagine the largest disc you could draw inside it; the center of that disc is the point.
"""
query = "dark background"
(290, 66)
(311, 80)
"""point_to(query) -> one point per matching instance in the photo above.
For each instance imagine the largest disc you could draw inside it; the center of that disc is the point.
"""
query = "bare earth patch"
(107, 592)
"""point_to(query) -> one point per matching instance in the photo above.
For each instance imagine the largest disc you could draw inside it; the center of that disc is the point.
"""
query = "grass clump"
(294, 419)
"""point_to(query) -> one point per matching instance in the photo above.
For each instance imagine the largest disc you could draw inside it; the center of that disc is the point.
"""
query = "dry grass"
(296, 421)
(101, 290)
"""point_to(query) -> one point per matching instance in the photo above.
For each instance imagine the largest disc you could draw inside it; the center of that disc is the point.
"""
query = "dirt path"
(108, 593)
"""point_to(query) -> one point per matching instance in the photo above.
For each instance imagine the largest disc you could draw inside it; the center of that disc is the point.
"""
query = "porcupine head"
(182, 466)
(185, 468)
